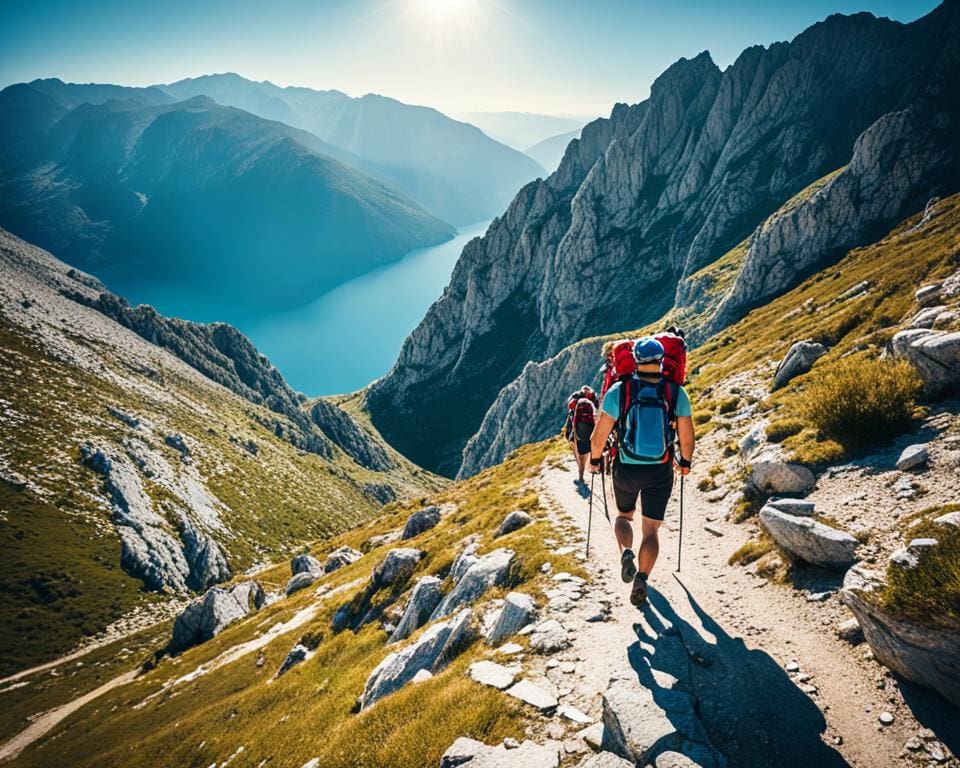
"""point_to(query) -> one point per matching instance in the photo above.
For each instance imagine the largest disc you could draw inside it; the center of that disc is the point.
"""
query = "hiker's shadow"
(753, 713)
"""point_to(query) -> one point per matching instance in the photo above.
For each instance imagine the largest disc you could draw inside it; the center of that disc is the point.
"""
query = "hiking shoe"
(638, 595)
(628, 568)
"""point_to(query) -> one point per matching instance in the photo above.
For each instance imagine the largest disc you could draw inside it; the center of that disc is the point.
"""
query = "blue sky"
(550, 56)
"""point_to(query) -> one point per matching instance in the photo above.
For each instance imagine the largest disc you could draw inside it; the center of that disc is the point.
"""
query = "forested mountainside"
(449, 167)
(135, 185)
(144, 457)
(647, 198)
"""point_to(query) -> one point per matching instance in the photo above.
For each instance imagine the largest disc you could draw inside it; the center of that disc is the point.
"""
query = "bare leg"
(649, 544)
(582, 463)
(623, 530)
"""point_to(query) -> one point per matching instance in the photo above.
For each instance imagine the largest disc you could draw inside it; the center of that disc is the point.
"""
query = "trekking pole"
(680, 538)
(590, 513)
(603, 487)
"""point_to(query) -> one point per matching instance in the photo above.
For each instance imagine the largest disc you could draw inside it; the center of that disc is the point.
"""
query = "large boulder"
(305, 564)
(781, 478)
(420, 521)
(208, 615)
(518, 610)
(936, 355)
(638, 725)
(424, 599)
(513, 522)
(488, 571)
(799, 359)
(912, 457)
(301, 581)
(463, 562)
(396, 567)
(926, 654)
(810, 540)
(432, 651)
(793, 506)
(340, 557)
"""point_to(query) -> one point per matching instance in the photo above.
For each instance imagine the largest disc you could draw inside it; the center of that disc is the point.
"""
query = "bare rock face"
(926, 654)
(301, 580)
(207, 616)
(341, 428)
(665, 187)
(809, 540)
(396, 567)
(936, 355)
(518, 610)
(513, 522)
(799, 359)
(436, 647)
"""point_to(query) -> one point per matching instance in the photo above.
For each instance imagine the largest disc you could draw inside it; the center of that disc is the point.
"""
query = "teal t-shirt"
(611, 405)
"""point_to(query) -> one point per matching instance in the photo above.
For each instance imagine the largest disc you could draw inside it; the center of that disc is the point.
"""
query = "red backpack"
(585, 412)
(624, 362)
(674, 366)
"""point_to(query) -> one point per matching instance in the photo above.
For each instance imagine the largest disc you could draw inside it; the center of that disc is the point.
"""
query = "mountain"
(147, 457)
(661, 190)
(550, 151)
(449, 167)
(520, 129)
(193, 192)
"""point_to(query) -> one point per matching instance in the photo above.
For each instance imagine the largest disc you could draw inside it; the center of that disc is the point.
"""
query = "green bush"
(729, 405)
(781, 429)
(858, 401)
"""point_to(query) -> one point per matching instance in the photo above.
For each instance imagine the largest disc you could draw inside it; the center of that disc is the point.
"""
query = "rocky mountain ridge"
(143, 454)
(663, 189)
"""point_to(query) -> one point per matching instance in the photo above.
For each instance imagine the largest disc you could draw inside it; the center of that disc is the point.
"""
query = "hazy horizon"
(556, 58)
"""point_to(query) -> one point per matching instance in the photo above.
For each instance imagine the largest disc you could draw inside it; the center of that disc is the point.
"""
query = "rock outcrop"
(207, 616)
(475, 754)
(936, 355)
(356, 442)
(661, 189)
(779, 477)
(305, 564)
(396, 567)
(436, 647)
(926, 654)
(513, 522)
(799, 359)
(424, 598)
(420, 521)
(518, 610)
(809, 540)
(340, 557)
(489, 570)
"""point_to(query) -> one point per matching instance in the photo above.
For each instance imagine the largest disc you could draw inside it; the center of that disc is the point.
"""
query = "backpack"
(674, 365)
(646, 428)
(585, 412)
(624, 362)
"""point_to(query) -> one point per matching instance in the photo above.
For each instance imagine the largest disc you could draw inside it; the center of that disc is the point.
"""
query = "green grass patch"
(752, 550)
(781, 429)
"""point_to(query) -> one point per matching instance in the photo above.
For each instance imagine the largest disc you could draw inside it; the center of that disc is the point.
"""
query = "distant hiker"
(587, 391)
(608, 371)
(582, 419)
(649, 409)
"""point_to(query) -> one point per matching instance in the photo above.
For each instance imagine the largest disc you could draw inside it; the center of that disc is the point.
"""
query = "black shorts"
(652, 482)
(584, 432)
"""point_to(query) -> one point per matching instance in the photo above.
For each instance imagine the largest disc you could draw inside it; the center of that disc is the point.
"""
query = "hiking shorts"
(651, 482)
(584, 431)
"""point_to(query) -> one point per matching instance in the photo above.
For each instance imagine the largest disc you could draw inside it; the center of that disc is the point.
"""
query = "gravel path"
(728, 636)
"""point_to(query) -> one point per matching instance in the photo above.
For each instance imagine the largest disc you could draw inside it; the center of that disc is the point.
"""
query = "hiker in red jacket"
(582, 415)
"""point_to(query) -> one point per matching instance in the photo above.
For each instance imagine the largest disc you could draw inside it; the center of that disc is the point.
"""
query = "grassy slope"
(307, 713)
(60, 578)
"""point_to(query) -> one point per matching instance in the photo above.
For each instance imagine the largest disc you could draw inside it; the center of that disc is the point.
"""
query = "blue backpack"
(647, 423)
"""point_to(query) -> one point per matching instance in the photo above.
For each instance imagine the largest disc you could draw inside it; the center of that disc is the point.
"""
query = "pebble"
(885, 718)
(793, 667)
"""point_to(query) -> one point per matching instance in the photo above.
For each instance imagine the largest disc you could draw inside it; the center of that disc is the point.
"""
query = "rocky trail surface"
(773, 684)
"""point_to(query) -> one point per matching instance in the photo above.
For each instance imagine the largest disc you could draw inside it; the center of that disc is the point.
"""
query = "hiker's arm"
(687, 440)
(598, 440)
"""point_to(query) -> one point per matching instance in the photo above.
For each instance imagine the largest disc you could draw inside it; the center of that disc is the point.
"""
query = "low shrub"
(752, 550)
(859, 401)
(729, 405)
(781, 429)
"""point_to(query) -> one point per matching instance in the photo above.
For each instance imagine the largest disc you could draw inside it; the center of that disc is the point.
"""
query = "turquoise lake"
(347, 337)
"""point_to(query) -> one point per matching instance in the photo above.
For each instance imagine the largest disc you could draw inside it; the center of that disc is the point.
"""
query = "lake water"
(347, 337)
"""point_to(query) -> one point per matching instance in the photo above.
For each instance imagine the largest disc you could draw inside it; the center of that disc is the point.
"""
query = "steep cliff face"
(662, 189)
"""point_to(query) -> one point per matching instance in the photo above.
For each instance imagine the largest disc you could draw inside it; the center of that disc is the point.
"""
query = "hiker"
(582, 420)
(608, 371)
(649, 410)
(568, 432)
(587, 391)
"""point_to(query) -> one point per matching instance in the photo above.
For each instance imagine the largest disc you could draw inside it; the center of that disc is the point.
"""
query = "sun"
(445, 12)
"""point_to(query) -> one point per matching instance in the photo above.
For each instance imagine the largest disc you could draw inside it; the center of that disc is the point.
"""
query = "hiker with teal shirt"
(651, 411)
